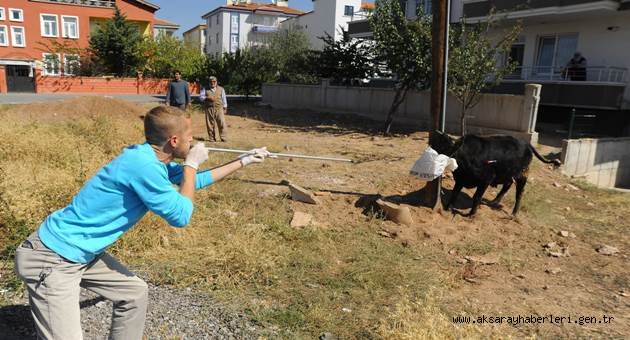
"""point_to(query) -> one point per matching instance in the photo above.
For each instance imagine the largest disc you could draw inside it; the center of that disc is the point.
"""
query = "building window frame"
(348, 10)
(23, 36)
(2, 14)
(210, 21)
(21, 11)
(43, 23)
(76, 67)
(45, 68)
(5, 33)
(64, 33)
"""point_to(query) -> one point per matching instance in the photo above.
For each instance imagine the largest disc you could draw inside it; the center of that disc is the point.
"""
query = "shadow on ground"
(16, 321)
(311, 121)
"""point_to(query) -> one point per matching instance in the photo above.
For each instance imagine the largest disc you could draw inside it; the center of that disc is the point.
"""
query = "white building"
(553, 30)
(243, 23)
(196, 37)
(327, 17)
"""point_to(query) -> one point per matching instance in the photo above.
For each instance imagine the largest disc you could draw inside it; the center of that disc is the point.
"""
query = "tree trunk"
(401, 93)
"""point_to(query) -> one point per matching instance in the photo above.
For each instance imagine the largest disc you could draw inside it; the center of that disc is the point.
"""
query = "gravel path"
(172, 313)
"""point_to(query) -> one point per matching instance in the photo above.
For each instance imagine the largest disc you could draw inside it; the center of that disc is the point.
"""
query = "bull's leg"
(520, 186)
(456, 190)
(504, 189)
(481, 189)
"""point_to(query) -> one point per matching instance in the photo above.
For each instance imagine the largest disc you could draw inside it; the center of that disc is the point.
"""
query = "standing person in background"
(177, 93)
(215, 106)
(576, 67)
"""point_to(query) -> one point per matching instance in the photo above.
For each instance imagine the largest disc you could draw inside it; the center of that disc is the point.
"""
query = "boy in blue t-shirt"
(68, 250)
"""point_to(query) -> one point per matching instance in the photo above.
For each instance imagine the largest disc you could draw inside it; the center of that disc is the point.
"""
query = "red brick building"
(27, 26)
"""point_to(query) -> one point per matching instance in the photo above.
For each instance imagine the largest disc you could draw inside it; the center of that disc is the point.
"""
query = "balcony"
(264, 28)
(90, 3)
(602, 87)
(514, 9)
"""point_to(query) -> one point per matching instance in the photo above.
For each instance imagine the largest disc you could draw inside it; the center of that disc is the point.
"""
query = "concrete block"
(395, 213)
(302, 195)
(301, 220)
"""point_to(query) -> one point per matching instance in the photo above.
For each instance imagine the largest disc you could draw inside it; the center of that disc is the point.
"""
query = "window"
(18, 38)
(4, 38)
(71, 64)
(2, 17)
(49, 25)
(348, 11)
(217, 38)
(16, 14)
(51, 64)
(516, 55)
(209, 21)
(218, 18)
(70, 27)
(554, 52)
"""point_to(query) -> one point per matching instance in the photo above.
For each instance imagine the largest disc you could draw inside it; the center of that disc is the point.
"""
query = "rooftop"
(254, 7)
(164, 23)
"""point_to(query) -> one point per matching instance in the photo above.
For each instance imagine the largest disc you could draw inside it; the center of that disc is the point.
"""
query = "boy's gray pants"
(54, 283)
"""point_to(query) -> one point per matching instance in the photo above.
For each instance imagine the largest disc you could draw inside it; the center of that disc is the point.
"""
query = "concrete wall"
(105, 85)
(604, 162)
(496, 113)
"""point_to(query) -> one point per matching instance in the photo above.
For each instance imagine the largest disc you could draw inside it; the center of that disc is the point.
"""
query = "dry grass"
(341, 275)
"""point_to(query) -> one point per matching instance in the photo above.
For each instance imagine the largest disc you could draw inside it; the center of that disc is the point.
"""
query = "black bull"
(484, 161)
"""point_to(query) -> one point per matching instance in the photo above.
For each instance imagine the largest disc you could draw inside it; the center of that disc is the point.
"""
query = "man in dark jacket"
(177, 93)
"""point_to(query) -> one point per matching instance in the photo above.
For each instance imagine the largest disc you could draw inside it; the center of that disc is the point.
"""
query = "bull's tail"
(555, 162)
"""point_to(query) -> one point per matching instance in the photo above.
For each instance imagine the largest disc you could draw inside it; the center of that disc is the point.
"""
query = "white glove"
(254, 156)
(197, 155)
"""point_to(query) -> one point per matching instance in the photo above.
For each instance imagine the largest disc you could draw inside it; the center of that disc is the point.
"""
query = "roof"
(146, 3)
(254, 7)
(164, 23)
(202, 26)
(368, 5)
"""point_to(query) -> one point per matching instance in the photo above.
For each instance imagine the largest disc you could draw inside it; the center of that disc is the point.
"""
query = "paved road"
(25, 98)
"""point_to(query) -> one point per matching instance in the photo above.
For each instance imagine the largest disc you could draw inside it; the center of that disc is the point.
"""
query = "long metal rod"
(284, 155)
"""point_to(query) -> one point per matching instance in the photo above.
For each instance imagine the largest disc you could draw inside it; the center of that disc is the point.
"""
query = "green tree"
(405, 48)
(291, 55)
(477, 61)
(117, 45)
(346, 59)
(165, 54)
(253, 68)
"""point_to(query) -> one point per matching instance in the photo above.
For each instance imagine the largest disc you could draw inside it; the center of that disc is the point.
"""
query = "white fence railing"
(602, 74)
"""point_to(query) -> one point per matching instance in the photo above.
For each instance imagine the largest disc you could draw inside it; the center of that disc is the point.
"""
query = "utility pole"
(439, 54)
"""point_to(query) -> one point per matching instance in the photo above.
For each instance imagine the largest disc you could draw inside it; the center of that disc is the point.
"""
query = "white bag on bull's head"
(431, 165)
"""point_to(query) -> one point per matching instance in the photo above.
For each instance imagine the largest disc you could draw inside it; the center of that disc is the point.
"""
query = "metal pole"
(272, 154)
(571, 122)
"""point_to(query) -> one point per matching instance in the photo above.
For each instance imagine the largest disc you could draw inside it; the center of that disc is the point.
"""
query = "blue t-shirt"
(117, 197)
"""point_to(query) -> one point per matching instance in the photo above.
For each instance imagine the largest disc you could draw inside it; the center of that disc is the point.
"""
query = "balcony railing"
(597, 74)
(264, 29)
(92, 3)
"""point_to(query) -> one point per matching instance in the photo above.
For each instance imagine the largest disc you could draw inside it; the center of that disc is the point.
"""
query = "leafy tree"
(165, 54)
(474, 61)
(290, 52)
(405, 48)
(253, 68)
(117, 45)
(346, 59)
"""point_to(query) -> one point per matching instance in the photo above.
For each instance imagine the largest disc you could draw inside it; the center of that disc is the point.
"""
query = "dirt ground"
(509, 272)
(523, 278)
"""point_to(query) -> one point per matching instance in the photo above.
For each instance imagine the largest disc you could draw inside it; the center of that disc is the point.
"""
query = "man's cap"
(212, 78)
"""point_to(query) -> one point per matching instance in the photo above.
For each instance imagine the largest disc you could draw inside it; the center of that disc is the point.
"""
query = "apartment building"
(552, 32)
(28, 26)
(196, 37)
(243, 23)
(327, 17)
(164, 28)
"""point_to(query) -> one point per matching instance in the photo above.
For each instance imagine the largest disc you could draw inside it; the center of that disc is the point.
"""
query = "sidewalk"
(25, 98)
